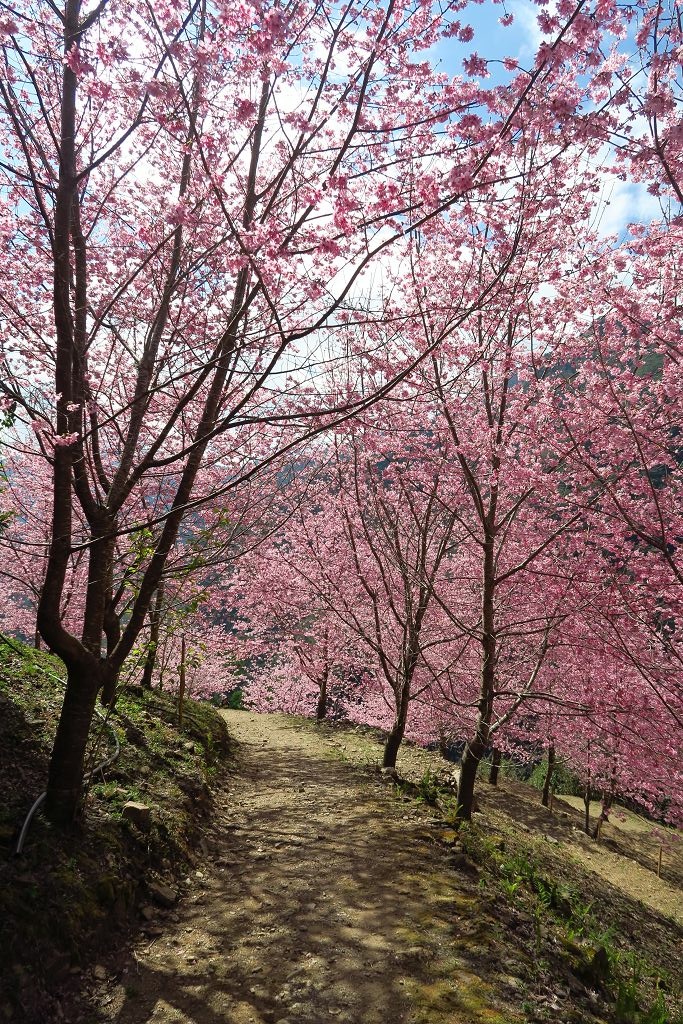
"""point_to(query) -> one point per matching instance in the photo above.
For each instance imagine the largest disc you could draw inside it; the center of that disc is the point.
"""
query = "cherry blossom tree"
(519, 562)
(504, 645)
(192, 197)
(617, 420)
(190, 182)
(299, 656)
(374, 549)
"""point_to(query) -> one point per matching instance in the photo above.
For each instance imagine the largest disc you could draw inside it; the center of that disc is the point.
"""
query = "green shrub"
(236, 700)
(563, 779)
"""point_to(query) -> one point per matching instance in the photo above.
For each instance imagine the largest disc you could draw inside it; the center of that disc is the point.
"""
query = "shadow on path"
(324, 900)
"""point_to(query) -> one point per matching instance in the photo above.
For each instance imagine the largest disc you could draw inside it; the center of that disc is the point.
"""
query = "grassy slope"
(578, 939)
(575, 947)
(583, 948)
(63, 899)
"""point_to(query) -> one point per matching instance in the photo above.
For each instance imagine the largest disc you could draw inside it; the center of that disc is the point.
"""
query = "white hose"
(24, 828)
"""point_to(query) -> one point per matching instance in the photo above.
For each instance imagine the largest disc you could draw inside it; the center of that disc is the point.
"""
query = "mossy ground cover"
(66, 896)
(577, 946)
(549, 915)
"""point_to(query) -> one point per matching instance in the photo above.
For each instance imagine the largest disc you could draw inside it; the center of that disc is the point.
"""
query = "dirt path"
(324, 899)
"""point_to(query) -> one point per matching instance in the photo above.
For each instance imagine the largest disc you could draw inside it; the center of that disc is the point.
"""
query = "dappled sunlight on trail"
(324, 900)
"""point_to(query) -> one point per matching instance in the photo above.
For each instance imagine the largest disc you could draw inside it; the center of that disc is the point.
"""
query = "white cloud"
(623, 203)
(526, 20)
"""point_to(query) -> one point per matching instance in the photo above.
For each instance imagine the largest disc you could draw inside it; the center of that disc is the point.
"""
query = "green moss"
(460, 996)
(563, 935)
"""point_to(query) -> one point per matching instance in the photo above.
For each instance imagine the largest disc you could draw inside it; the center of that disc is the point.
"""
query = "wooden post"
(181, 687)
(659, 862)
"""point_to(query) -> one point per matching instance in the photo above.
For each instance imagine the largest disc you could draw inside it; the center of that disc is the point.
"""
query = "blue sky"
(623, 202)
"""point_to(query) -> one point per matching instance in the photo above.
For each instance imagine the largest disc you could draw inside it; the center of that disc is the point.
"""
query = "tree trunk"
(181, 687)
(545, 797)
(469, 765)
(148, 670)
(475, 749)
(607, 801)
(100, 568)
(392, 744)
(65, 779)
(155, 625)
(321, 707)
(587, 808)
(495, 767)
